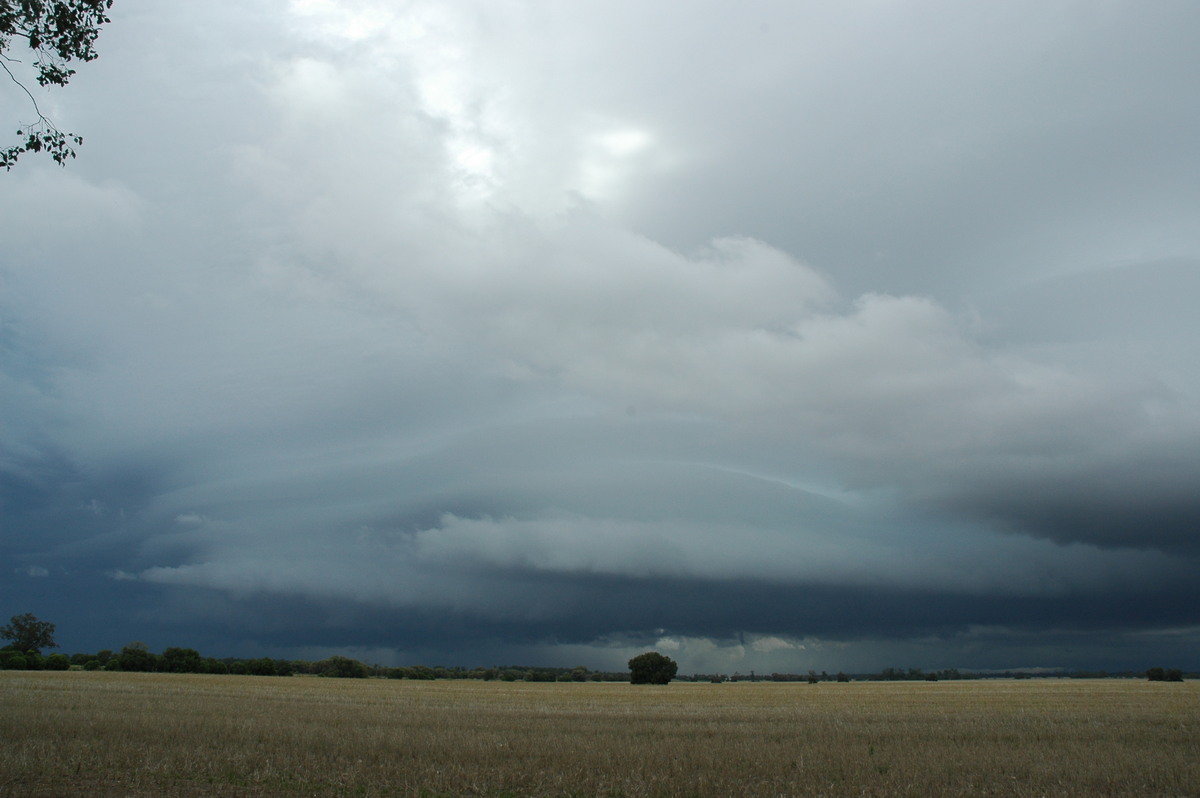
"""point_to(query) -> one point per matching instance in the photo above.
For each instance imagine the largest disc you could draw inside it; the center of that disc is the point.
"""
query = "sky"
(778, 337)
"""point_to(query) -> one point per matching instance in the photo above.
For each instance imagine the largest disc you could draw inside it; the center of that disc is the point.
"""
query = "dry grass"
(114, 734)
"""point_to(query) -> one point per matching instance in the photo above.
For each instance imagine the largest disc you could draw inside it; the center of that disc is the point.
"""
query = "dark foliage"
(27, 633)
(1164, 675)
(55, 33)
(137, 657)
(652, 668)
(342, 668)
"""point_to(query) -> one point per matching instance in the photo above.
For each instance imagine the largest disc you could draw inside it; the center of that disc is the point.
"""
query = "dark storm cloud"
(801, 336)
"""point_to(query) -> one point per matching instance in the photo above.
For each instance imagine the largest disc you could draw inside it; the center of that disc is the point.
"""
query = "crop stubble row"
(103, 733)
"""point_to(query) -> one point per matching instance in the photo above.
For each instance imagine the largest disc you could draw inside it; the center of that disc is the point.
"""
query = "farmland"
(133, 734)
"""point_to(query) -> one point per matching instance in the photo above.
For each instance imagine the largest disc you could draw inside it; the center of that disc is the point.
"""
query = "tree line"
(137, 657)
(29, 635)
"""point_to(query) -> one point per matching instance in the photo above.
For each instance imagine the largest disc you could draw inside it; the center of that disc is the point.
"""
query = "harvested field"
(116, 734)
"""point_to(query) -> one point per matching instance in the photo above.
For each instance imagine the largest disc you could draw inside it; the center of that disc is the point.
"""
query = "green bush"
(58, 662)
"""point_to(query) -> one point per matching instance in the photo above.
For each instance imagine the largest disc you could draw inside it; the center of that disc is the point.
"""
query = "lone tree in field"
(652, 668)
(27, 632)
(52, 33)
(1164, 675)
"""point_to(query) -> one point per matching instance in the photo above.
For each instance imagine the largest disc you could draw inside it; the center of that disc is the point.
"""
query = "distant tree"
(137, 657)
(58, 662)
(342, 668)
(841, 677)
(12, 660)
(1164, 675)
(180, 660)
(53, 33)
(26, 631)
(652, 668)
(263, 666)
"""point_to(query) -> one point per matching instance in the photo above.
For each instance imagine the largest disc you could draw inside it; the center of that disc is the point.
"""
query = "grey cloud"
(782, 335)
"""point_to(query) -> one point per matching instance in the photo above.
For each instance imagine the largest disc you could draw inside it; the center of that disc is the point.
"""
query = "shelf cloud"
(795, 337)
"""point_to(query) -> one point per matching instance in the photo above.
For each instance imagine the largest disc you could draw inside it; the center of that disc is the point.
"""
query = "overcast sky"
(795, 335)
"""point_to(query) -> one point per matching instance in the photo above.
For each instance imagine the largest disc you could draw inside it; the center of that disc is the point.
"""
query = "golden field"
(133, 734)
